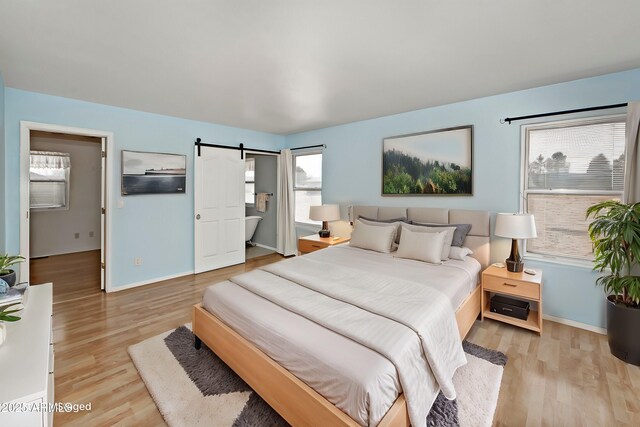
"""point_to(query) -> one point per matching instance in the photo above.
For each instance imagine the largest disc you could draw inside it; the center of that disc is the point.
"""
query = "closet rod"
(558, 113)
(309, 146)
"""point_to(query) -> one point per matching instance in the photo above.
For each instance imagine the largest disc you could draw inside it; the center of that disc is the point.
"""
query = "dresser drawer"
(306, 246)
(512, 287)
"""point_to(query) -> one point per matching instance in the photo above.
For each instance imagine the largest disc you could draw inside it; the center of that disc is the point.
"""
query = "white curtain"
(287, 241)
(46, 164)
(632, 155)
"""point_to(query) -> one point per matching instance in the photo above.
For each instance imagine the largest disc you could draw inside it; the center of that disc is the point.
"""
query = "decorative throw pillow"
(457, 252)
(422, 246)
(425, 229)
(458, 236)
(396, 221)
(373, 237)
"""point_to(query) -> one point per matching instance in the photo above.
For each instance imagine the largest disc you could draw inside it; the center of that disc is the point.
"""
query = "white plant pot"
(3, 333)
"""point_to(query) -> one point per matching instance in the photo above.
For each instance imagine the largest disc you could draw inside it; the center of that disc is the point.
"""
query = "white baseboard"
(149, 282)
(575, 324)
(265, 246)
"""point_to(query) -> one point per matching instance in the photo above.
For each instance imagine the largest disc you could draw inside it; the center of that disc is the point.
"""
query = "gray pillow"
(379, 222)
(458, 235)
(402, 219)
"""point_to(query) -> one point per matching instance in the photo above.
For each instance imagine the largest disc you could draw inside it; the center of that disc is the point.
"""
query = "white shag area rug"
(195, 388)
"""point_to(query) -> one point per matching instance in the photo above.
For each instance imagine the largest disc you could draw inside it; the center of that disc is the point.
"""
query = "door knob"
(198, 216)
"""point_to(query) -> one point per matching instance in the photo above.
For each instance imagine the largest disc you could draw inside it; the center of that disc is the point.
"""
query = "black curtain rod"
(309, 146)
(241, 147)
(557, 113)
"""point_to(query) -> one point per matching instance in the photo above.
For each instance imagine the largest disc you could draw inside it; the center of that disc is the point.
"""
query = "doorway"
(261, 202)
(64, 213)
(65, 175)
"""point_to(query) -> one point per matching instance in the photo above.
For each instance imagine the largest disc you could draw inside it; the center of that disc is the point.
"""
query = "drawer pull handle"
(316, 246)
(510, 284)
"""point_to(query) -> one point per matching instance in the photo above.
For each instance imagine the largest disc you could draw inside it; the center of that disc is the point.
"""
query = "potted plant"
(6, 273)
(615, 233)
(6, 315)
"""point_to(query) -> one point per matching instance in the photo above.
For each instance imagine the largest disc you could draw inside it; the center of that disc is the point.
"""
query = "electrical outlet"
(76, 235)
(137, 261)
(91, 234)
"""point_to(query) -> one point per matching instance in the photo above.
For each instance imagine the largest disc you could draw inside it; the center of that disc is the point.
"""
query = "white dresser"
(26, 364)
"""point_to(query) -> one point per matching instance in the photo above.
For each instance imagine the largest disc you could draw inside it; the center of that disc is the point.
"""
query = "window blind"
(568, 169)
(588, 157)
(49, 174)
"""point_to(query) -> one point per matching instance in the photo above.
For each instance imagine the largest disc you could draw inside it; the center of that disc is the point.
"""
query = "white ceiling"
(285, 66)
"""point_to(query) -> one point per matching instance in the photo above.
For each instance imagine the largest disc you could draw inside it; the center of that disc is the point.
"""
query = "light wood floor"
(564, 378)
(74, 276)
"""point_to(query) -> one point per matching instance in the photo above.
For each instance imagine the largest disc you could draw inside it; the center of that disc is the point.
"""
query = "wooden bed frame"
(294, 400)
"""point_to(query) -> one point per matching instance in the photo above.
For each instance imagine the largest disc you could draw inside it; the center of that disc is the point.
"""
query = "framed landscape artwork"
(433, 163)
(153, 173)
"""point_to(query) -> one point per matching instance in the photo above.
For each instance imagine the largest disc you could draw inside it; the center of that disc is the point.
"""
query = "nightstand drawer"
(512, 287)
(306, 246)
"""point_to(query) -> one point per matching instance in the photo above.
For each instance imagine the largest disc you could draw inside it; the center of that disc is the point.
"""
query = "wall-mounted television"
(153, 173)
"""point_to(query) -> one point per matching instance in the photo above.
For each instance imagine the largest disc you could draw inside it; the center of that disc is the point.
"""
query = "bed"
(263, 337)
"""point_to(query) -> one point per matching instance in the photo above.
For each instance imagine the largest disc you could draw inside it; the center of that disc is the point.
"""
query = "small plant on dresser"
(7, 315)
(6, 262)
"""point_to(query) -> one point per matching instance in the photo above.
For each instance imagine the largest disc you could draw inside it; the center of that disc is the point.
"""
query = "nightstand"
(523, 286)
(314, 243)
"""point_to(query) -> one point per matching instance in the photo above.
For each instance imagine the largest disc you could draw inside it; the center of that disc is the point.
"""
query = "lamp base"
(514, 262)
(325, 230)
(514, 266)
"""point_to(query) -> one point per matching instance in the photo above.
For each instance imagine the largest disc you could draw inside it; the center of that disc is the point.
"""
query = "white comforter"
(411, 324)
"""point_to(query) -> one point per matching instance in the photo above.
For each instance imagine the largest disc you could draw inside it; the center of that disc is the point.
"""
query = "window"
(307, 184)
(49, 180)
(250, 182)
(570, 166)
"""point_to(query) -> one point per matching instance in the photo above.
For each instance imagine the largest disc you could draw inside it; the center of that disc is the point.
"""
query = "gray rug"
(194, 387)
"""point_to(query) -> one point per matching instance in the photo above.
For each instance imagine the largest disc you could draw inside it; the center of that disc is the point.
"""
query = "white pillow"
(396, 238)
(424, 229)
(374, 237)
(457, 252)
(421, 246)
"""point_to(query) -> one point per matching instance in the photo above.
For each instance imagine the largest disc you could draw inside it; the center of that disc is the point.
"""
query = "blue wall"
(353, 158)
(158, 228)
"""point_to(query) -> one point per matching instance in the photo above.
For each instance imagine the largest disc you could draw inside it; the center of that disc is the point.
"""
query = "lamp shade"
(515, 226)
(324, 213)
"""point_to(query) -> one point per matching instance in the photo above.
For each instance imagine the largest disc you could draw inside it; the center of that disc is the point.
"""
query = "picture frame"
(432, 163)
(153, 173)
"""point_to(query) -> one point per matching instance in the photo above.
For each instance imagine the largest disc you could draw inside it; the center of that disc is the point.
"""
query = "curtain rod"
(557, 113)
(241, 147)
(309, 146)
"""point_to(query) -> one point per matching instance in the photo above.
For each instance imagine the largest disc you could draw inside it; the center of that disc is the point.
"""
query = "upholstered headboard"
(478, 239)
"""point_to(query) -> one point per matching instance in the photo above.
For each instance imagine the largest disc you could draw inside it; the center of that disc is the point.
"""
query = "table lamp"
(324, 213)
(515, 226)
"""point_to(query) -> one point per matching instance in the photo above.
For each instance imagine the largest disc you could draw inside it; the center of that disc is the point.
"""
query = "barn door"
(219, 208)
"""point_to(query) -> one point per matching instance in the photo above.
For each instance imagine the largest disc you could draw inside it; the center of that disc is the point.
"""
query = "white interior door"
(103, 212)
(219, 208)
